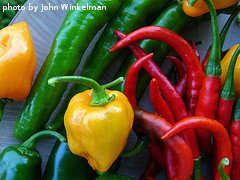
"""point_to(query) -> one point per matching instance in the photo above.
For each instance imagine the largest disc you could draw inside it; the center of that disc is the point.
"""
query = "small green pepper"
(23, 161)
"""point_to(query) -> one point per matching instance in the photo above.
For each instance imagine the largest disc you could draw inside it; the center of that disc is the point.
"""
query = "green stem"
(192, 2)
(224, 162)
(33, 140)
(197, 168)
(99, 94)
(238, 19)
(213, 67)
(227, 25)
(228, 91)
(140, 145)
(3, 103)
(113, 83)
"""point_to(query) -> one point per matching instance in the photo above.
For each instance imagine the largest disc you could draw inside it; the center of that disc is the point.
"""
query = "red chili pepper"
(205, 60)
(194, 47)
(226, 100)
(150, 170)
(191, 61)
(172, 97)
(131, 79)
(156, 147)
(209, 93)
(181, 86)
(159, 105)
(177, 64)
(157, 126)
(222, 142)
(235, 140)
(162, 109)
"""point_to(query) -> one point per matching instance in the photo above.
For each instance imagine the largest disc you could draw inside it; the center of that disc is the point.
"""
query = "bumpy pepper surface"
(225, 63)
(97, 122)
(17, 61)
(200, 8)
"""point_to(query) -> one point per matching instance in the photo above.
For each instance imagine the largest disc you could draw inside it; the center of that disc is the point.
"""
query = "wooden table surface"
(43, 26)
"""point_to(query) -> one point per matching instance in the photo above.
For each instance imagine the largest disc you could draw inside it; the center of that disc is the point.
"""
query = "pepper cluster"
(202, 105)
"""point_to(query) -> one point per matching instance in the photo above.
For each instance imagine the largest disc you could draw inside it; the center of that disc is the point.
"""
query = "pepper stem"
(236, 111)
(140, 145)
(238, 19)
(192, 2)
(3, 103)
(32, 141)
(228, 91)
(213, 67)
(224, 162)
(227, 25)
(197, 168)
(99, 93)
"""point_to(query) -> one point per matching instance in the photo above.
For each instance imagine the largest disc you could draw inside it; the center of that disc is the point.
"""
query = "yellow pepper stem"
(99, 93)
(3, 102)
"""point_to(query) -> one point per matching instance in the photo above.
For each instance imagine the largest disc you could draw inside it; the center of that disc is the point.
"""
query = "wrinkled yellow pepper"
(225, 63)
(17, 61)
(200, 8)
(97, 122)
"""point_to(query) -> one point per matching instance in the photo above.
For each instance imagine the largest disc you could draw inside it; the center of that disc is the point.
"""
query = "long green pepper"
(131, 15)
(70, 42)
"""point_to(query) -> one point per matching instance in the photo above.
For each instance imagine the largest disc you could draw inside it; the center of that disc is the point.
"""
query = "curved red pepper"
(150, 170)
(159, 105)
(177, 64)
(222, 141)
(157, 126)
(175, 101)
(191, 61)
(235, 140)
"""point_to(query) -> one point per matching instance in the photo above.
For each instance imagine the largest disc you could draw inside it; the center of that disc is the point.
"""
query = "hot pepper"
(222, 141)
(75, 34)
(157, 126)
(200, 7)
(235, 140)
(24, 161)
(226, 100)
(174, 100)
(225, 63)
(209, 93)
(97, 122)
(17, 62)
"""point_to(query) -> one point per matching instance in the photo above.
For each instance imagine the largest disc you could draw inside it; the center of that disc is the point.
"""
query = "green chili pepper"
(23, 161)
(70, 42)
(131, 15)
(63, 164)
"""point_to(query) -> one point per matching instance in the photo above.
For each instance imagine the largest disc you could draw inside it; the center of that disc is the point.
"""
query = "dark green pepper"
(130, 16)
(23, 161)
(70, 43)
(63, 164)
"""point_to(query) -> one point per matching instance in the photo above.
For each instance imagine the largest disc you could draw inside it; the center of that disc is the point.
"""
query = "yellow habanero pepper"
(17, 63)
(200, 8)
(97, 122)
(225, 63)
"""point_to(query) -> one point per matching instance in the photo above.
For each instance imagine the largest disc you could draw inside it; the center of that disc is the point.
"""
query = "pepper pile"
(202, 103)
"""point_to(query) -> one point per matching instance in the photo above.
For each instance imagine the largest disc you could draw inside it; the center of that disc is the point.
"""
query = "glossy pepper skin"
(130, 16)
(24, 161)
(97, 122)
(235, 140)
(200, 8)
(102, 132)
(225, 63)
(75, 34)
(172, 18)
(17, 61)
(63, 164)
